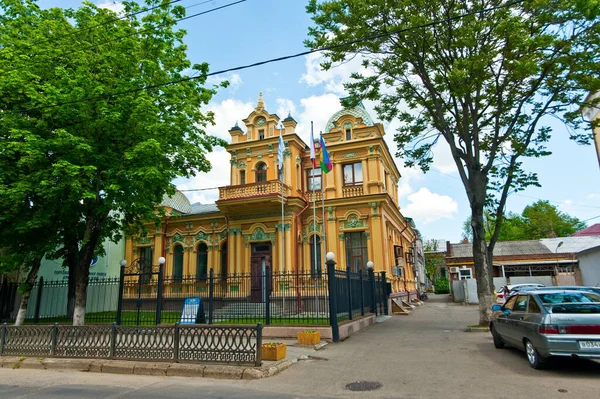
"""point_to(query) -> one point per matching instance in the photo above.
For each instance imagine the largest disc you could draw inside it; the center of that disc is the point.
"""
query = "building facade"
(351, 211)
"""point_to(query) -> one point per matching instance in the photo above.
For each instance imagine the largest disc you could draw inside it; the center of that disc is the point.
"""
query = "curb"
(477, 329)
(147, 368)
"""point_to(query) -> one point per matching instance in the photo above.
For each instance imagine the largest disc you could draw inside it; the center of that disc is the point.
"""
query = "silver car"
(549, 323)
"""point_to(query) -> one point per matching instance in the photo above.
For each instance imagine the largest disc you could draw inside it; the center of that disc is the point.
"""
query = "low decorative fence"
(175, 343)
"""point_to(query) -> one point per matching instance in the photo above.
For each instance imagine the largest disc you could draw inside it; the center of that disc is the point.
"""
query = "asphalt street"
(426, 354)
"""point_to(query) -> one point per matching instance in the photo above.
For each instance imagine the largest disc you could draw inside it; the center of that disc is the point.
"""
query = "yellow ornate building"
(243, 231)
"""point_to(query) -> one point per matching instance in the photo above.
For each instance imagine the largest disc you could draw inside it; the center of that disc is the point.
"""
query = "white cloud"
(217, 177)
(335, 77)
(427, 207)
(285, 106)
(227, 113)
(116, 7)
(593, 196)
(235, 81)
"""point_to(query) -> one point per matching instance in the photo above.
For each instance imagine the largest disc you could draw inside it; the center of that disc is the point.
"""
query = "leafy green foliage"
(538, 220)
(482, 76)
(91, 163)
(442, 286)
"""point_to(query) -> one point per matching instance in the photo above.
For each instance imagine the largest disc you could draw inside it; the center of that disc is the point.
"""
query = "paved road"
(424, 355)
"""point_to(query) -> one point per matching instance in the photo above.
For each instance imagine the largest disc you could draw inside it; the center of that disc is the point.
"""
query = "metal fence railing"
(149, 298)
(218, 343)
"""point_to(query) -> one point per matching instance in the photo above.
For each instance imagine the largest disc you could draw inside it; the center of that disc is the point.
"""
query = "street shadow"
(515, 360)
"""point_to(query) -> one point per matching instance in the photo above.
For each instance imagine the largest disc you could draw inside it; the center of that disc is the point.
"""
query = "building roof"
(198, 208)
(503, 248)
(571, 244)
(178, 202)
(593, 230)
(358, 112)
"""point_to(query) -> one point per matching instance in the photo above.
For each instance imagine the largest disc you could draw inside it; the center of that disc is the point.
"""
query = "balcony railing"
(253, 190)
(316, 196)
(352, 191)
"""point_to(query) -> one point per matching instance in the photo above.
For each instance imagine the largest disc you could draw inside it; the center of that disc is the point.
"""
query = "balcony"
(352, 191)
(262, 189)
(314, 196)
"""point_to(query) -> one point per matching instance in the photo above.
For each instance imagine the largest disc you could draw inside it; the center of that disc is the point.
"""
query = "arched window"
(261, 172)
(201, 262)
(224, 261)
(177, 263)
(315, 268)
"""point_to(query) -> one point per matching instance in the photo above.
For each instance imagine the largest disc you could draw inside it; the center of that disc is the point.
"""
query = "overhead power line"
(277, 59)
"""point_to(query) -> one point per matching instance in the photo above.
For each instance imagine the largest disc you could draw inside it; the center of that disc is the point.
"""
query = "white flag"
(311, 144)
(280, 151)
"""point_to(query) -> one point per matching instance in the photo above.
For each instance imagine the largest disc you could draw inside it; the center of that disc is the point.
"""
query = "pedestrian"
(506, 292)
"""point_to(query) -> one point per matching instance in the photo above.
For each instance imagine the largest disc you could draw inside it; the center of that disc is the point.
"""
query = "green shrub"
(442, 286)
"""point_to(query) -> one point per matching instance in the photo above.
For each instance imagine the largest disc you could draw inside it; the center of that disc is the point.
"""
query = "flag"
(280, 151)
(326, 165)
(311, 144)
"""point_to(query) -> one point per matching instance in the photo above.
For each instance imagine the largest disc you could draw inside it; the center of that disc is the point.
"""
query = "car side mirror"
(497, 308)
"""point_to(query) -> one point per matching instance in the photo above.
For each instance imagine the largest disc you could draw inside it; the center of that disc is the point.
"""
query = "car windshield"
(568, 297)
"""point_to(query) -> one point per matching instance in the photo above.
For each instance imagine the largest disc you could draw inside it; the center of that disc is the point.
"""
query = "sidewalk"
(294, 354)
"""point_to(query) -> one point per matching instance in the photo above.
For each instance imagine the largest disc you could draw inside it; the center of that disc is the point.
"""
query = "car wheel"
(533, 357)
(498, 342)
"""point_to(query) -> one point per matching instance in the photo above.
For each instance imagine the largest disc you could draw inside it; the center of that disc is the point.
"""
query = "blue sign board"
(191, 309)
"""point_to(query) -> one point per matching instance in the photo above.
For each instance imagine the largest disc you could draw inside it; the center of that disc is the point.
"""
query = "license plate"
(589, 345)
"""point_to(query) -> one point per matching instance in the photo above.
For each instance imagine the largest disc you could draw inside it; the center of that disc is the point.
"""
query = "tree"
(538, 220)
(480, 76)
(434, 260)
(94, 91)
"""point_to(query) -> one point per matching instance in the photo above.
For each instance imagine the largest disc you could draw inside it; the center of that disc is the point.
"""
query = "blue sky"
(261, 29)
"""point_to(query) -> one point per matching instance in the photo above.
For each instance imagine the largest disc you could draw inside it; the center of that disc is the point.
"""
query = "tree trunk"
(483, 266)
(82, 272)
(26, 294)
(72, 263)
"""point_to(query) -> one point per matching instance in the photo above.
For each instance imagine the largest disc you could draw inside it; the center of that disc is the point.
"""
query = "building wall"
(105, 266)
(589, 264)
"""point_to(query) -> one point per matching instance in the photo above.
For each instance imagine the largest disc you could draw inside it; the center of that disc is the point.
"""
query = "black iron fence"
(219, 343)
(146, 297)
(8, 296)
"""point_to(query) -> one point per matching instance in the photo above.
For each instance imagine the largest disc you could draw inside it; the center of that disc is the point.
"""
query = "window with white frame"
(465, 274)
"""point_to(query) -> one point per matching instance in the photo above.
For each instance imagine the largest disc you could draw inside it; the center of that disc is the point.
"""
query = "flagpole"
(324, 233)
(282, 224)
(314, 221)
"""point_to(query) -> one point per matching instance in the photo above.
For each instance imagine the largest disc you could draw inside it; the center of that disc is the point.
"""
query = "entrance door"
(260, 262)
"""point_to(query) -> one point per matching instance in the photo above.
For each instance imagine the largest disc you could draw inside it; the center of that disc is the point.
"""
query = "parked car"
(546, 323)
(501, 295)
(571, 287)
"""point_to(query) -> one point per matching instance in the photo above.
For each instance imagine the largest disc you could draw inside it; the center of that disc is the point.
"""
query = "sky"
(256, 30)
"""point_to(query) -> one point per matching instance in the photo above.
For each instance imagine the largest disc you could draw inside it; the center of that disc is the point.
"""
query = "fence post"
(159, 292)
(258, 361)
(176, 343)
(373, 294)
(384, 293)
(331, 286)
(53, 339)
(349, 285)
(121, 288)
(211, 293)
(362, 294)
(38, 301)
(268, 296)
(113, 340)
(2, 338)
